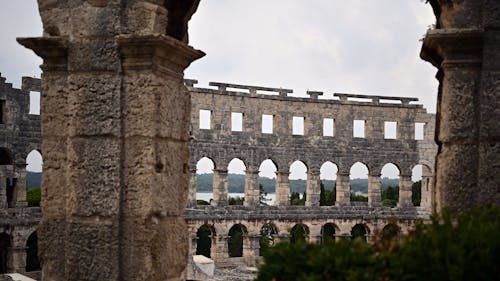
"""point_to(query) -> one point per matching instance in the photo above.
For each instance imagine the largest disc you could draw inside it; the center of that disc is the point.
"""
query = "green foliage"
(298, 233)
(358, 198)
(390, 196)
(295, 199)
(416, 193)
(235, 242)
(327, 197)
(202, 202)
(236, 200)
(266, 237)
(33, 197)
(454, 247)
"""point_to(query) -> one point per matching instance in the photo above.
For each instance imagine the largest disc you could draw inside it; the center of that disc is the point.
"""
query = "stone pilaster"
(313, 188)
(343, 189)
(220, 186)
(426, 193)
(405, 184)
(282, 189)
(464, 47)
(193, 245)
(191, 202)
(115, 117)
(374, 191)
(18, 255)
(221, 248)
(21, 185)
(3, 187)
(252, 191)
(252, 252)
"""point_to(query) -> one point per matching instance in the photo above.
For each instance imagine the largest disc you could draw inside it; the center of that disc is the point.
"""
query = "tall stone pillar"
(343, 189)
(374, 191)
(282, 188)
(464, 47)
(405, 184)
(191, 202)
(3, 186)
(220, 186)
(426, 193)
(252, 190)
(21, 185)
(313, 189)
(251, 249)
(115, 117)
(18, 255)
(221, 249)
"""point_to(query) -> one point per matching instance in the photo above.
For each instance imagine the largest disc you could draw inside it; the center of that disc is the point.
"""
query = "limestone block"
(147, 18)
(490, 105)
(93, 176)
(94, 105)
(87, 54)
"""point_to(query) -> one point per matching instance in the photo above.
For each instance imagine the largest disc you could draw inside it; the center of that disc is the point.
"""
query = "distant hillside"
(237, 184)
(33, 180)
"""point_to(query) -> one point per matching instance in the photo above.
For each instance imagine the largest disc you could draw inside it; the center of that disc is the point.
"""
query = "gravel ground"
(234, 274)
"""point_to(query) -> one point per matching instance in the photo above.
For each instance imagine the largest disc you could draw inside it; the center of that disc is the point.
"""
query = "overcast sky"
(357, 46)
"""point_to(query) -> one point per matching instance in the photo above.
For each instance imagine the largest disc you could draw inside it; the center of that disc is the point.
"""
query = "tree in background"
(390, 196)
(416, 193)
(327, 197)
(295, 199)
(236, 200)
(33, 197)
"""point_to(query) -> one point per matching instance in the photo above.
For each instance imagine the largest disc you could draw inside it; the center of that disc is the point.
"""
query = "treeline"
(237, 184)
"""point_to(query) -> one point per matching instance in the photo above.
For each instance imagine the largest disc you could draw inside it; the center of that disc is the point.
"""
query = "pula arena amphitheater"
(327, 136)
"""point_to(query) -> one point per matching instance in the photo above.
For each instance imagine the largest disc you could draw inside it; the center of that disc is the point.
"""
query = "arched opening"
(235, 243)
(328, 177)
(299, 233)
(267, 182)
(266, 240)
(236, 181)
(298, 177)
(34, 168)
(416, 187)
(32, 260)
(390, 231)
(359, 182)
(204, 235)
(328, 233)
(390, 185)
(204, 181)
(4, 252)
(359, 231)
(5, 156)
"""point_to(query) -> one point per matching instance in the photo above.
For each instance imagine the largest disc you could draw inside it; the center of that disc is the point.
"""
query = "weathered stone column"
(18, 258)
(464, 47)
(426, 193)
(220, 186)
(313, 189)
(405, 191)
(282, 188)
(21, 185)
(221, 249)
(251, 250)
(3, 186)
(252, 191)
(115, 117)
(193, 245)
(374, 191)
(192, 188)
(343, 189)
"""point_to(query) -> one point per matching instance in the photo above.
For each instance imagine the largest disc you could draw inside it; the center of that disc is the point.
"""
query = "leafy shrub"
(454, 247)
(33, 197)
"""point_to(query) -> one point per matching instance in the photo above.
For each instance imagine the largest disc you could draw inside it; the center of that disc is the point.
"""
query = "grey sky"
(358, 46)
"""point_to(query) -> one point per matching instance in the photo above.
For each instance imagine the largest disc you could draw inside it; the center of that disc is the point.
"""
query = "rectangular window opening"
(419, 131)
(236, 121)
(34, 103)
(205, 119)
(328, 130)
(298, 126)
(267, 124)
(358, 129)
(390, 130)
(2, 111)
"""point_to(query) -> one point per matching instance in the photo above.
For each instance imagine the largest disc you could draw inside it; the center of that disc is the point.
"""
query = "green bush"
(460, 247)
(33, 197)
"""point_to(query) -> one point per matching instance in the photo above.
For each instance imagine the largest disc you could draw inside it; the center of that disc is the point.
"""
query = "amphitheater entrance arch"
(237, 237)
(237, 188)
(267, 182)
(299, 233)
(328, 233)
(32, 260)
(297, 178)
(205, 237)
(267, 234)
(5, 244)
(328, 177)
(359, 231)
(390, 231)
(390, 185)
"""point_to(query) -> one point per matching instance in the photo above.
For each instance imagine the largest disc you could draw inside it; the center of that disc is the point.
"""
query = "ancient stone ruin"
(115, 122)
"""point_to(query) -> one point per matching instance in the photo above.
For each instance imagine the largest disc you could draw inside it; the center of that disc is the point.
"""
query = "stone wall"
(221, 144)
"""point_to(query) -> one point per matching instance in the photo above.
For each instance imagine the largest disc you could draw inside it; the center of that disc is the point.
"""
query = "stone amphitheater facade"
(21, 134)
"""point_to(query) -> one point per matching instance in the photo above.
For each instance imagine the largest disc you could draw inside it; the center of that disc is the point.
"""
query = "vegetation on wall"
(459, 247)
(33, 196)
